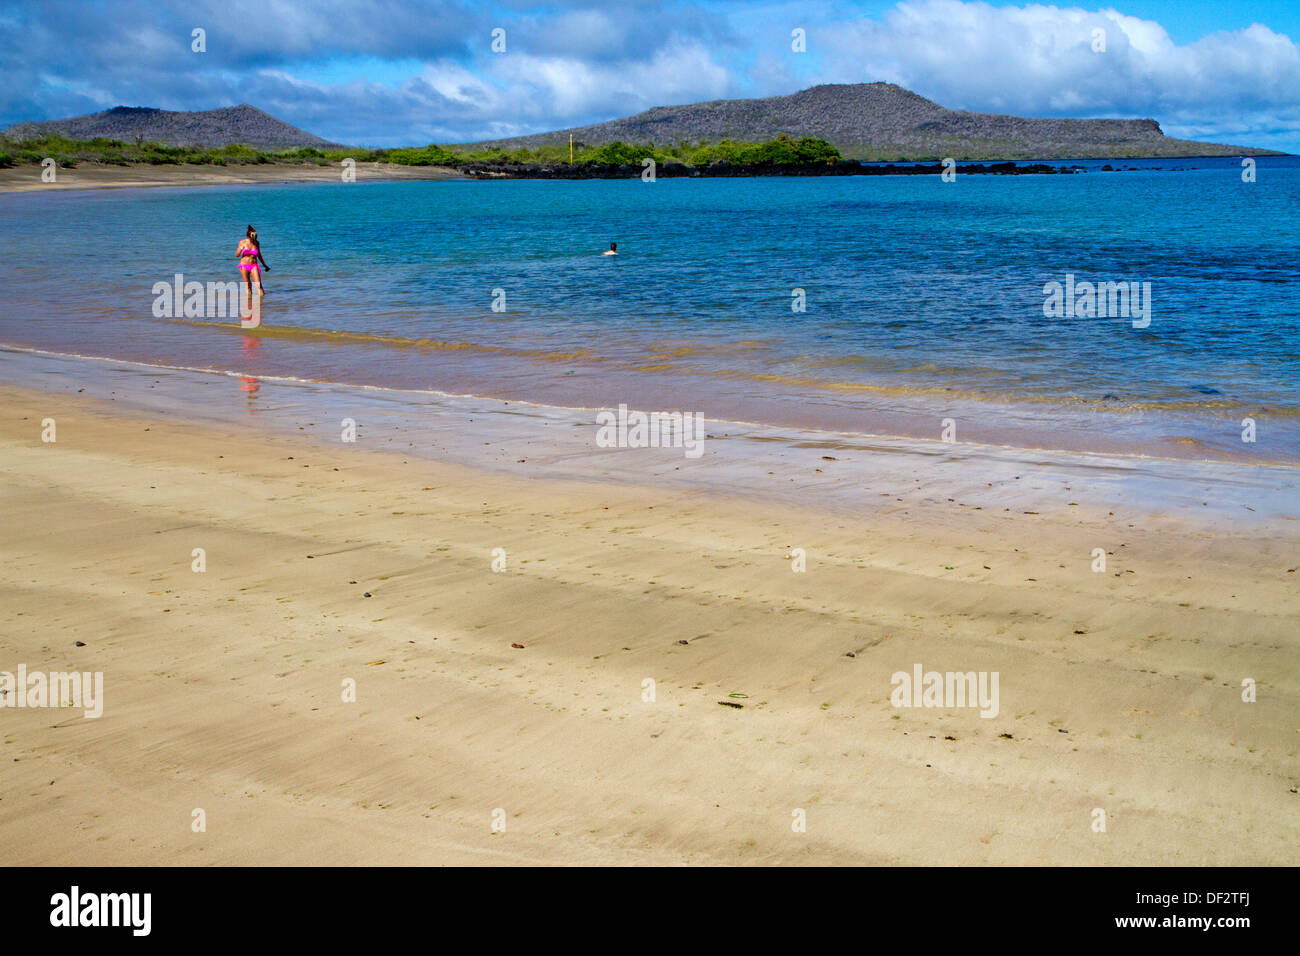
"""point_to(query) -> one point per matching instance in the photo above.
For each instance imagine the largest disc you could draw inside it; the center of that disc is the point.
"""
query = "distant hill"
(234, 124)
(883, 121)
(863, 120)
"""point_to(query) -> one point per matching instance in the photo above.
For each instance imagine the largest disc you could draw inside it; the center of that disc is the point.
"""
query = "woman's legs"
(247, 275)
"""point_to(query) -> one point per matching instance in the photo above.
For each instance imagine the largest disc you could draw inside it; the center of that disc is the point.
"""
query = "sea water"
(887, 305)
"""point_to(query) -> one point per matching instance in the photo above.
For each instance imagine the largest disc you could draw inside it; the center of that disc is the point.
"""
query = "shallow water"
(849, 474)
(924, 299)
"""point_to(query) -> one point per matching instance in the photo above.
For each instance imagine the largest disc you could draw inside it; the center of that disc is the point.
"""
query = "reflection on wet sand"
(250, 385)
(249, 349)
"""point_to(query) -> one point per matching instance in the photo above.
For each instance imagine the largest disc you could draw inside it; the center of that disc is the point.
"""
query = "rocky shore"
(681, 170)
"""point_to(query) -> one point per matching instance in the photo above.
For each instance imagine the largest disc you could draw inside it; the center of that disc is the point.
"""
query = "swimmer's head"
(613, 247)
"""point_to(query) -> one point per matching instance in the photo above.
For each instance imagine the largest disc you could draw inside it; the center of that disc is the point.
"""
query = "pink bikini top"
(250, 251)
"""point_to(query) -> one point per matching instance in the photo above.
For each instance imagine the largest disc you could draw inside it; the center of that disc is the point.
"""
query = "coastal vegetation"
(780, 151)
(69, 153)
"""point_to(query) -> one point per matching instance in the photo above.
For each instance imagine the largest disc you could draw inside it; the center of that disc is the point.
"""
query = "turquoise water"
(924, 299)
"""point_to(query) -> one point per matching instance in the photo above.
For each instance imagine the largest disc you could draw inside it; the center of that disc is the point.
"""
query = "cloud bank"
(401, 72)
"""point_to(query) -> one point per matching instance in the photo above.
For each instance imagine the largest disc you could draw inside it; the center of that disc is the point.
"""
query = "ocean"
(877, 305)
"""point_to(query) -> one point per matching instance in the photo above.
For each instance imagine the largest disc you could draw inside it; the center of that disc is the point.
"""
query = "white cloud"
(1039, 60)
(572, 63)
(1033, 60)
(520, 91)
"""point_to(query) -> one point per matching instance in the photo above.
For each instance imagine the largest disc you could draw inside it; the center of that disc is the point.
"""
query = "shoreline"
(142, 175)
(434, 423)
(222, 688)
(90, 175)
(894, 422)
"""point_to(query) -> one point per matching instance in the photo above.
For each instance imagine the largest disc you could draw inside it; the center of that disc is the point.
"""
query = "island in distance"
(827, 130)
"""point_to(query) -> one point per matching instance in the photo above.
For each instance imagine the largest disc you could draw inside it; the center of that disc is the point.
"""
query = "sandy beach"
(1120, 691)
(98, 176)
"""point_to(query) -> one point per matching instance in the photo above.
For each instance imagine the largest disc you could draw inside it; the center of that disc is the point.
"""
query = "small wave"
(838, 434)
(337, 337)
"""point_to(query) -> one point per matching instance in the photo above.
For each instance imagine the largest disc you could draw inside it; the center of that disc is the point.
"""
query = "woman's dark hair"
(251, 232)
(613, 245)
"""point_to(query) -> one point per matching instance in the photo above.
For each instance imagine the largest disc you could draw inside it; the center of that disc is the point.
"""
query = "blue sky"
(402, 72)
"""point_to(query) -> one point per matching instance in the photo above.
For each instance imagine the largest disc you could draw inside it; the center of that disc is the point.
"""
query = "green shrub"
(782, 151)
(431, 155)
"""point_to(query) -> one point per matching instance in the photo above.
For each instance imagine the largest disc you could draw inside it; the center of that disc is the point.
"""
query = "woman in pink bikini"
(249, 256)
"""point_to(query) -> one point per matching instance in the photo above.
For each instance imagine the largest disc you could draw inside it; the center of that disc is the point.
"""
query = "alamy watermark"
(82, 689)
(633, 429)
(179, 299)
(946, 689)
(1086, 300)
(75, 908)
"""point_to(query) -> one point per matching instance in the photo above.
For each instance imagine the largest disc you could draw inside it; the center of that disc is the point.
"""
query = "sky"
(410, 72)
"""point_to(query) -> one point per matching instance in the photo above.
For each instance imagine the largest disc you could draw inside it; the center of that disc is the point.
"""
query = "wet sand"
(1120, 690)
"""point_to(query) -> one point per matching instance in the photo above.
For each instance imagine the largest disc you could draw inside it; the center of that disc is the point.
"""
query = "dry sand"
(97, 176)
(1119, 691)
